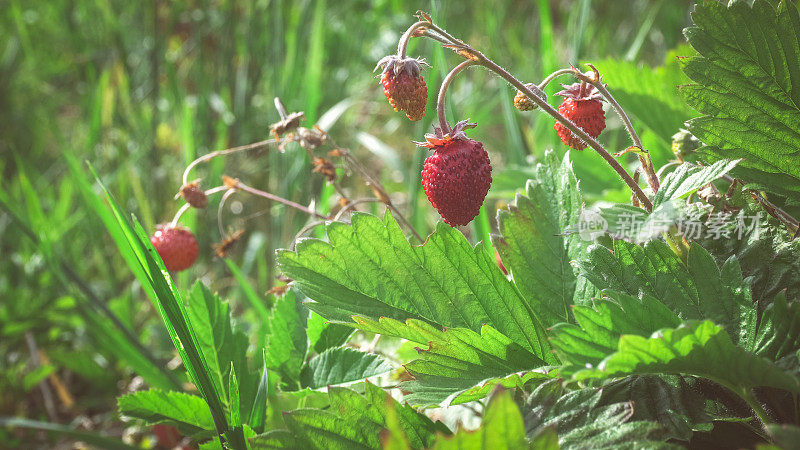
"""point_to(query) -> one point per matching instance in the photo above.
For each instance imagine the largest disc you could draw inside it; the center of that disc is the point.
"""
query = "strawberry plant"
(668, 320)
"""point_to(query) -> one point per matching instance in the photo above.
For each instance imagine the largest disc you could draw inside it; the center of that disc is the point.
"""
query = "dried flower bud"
(286, 125)
(325, 168)
(227, 243)
(230, 183)
(194, 195)
(278, 290)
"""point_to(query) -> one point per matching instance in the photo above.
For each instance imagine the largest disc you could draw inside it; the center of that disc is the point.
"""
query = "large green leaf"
(287, 343)
(697, 289)
(456, 359)
(748, 87)
(696, 348)
(672, 401)
(188, 413)
(341, 365)
(370, 269)
(583, 421)
(600, 326)
(688, 178)
(354, 421)
(533, 245)
(778, 333)
(501, 428)
(222, 346)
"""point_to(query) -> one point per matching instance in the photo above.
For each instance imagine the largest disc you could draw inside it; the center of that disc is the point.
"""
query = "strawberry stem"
(475, 57)
(443, 91)
(402, 45)
(646, 162)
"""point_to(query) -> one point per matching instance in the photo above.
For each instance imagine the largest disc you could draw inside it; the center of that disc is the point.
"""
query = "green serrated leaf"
(287, 342)
(501, 428)
(341, 365)
(370, 269)
(189, 413)
(748, 87)
(533, 245)
(582, 421)
(453, 360)
(688, 178)
(669, 400)
(353, 421)
(599, 327)
(695, 290)
(323, 334)
(696, 348)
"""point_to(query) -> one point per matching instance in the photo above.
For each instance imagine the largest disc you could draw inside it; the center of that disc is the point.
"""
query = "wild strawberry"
(194, 195)
(176, 246)
(457, 176)
(403, 85)
(581, 106)
(523, 103)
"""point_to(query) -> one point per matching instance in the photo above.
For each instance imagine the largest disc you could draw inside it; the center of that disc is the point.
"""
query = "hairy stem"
(443, 91)
(402, 45)
(552, 76)
(644, 160)
(238, 185)
(477, 57)
(491, 65)
(227, 151)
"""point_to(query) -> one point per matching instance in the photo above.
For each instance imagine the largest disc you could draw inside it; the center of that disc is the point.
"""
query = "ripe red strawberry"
(457, 176)
(176, 246)
(581, 106)
(404, 86)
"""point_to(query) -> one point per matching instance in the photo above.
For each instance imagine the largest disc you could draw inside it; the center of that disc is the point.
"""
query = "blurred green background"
(139, 89)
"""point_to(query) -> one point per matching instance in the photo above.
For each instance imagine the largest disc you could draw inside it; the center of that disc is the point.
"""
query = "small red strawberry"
(457, 176)
(404, 86)
(194, 195)
(581, 106)
(176, 246)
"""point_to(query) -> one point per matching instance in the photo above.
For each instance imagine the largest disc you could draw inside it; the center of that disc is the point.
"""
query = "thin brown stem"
(443, 91)
(491, 65)
(792, 224)
(644, 160)
(238, 185)
(379, 190)
(475, 56)
(227, 151)
(402, 45)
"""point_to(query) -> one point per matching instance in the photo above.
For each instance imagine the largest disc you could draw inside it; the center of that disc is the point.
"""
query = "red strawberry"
(457, 176)
(404, 86)
(176, 246)
(581, 106)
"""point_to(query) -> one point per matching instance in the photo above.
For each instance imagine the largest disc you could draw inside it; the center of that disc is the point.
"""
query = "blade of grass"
(169, 305)
(88, 437)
